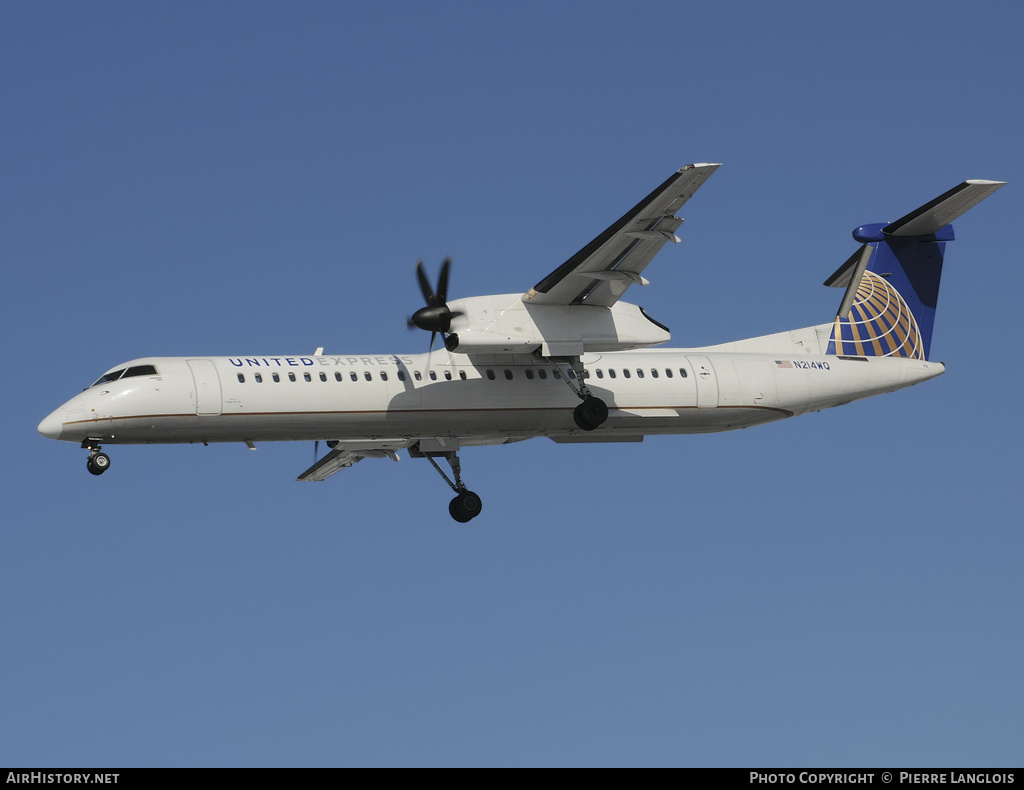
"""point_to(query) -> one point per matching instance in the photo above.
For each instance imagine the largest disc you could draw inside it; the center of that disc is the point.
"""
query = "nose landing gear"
(98, 462)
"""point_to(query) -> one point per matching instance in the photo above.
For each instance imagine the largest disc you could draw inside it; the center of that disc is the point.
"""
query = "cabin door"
(208, 398)
(707, 381)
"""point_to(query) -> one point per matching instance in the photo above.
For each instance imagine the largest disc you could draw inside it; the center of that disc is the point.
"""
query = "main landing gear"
(98, 462)
(592, 412)
(466, 505)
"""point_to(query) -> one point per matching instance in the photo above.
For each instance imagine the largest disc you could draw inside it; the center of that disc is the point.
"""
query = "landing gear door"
(707, 382)
(208, 398)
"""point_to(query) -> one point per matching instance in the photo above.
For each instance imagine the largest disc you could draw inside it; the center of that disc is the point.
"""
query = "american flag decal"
(783, 363)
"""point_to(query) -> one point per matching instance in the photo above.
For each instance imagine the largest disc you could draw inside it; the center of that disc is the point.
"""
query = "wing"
(347, 453)
(602, 271)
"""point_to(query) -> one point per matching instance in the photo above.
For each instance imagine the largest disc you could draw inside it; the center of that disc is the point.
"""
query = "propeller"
(436, 316)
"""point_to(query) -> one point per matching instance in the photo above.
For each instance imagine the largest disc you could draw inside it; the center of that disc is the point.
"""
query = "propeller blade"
(428, 292)
(442, 282)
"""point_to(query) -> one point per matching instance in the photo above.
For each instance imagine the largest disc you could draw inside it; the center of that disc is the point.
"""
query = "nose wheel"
(98, 463)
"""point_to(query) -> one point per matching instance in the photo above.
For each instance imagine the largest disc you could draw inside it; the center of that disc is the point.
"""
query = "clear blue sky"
(238, 178)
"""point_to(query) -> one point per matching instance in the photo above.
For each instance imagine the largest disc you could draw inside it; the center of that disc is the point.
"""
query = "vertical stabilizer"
(892, 281)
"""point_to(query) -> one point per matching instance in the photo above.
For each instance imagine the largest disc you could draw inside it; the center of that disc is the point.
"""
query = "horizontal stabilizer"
(938, 213)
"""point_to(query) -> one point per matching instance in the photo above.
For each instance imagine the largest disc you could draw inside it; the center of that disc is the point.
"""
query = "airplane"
(513, 365)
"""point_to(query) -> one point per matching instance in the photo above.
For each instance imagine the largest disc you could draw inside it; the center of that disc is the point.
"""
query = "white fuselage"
(480, 399)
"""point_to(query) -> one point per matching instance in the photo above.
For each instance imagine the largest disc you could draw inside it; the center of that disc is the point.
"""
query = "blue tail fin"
(892, 281)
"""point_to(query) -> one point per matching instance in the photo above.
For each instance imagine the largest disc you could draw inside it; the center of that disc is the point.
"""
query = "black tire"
(590, 414)
(582, 424)
(98, 464)
(465, 507)
(594, 411)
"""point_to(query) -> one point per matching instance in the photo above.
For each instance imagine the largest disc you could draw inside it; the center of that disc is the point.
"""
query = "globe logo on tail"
(879, 324)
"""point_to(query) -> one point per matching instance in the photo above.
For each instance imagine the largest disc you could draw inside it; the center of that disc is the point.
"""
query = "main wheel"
(591, 413)
(98, 463)
(465, 507)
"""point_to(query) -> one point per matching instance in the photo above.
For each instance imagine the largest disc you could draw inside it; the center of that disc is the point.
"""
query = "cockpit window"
(137, 370)
(112, 376)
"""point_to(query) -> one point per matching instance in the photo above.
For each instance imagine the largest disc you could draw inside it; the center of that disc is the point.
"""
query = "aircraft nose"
(52, 426)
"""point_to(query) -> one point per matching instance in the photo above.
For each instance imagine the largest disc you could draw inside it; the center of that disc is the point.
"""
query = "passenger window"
(556, 373)
(307, 377)
(448, 375)
(276, 377)
(367, 376)
(490, 374)
(433, 375)
(353, 376)
(401, 375)
(323, 376)
(417, 375)
(682, 372)
(337, 375)
(639, 373)
(600, 373)
(241, 378)
(462, 375)
(572, 373)
(383, 376)
(508, 374)
(542, 373)
(668, 372)
(611, 373)
(291, 377)
(625, 373)
(654, 373)
(259, 378)
(529, 373)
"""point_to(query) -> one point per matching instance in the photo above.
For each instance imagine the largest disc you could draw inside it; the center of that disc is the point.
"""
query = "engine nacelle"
(505, 324)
